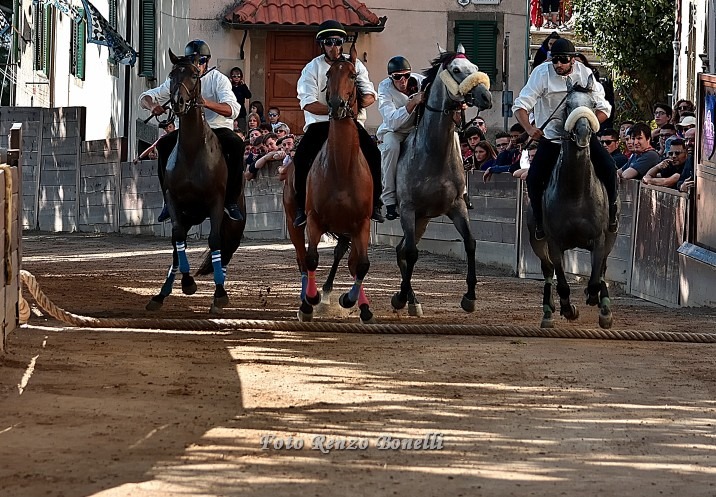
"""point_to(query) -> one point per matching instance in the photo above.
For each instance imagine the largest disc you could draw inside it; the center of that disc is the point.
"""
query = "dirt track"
(129, 412)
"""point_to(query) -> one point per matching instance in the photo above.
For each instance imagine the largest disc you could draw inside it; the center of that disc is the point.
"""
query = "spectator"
(662, 115)
(681, 106)
(508, 160)
(258, 108)
(522, 172)
(242, 92)
(543, 52)
(480, 123)
(668, 172)
(623, 128)
(644, 156)
(503, 140)
(667, 131)
(465, 151)
(266, 128)
(686, 124)
(687, 179)
(483, 157)
(516, 134)
(270, 142)
(253, 121)
(274, 113)
(282, 130)
(550, 11)
(610, 139)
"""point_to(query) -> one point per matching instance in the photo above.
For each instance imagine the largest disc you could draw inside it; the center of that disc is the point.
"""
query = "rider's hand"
(158, 110)
(535, 133)
(414, 100)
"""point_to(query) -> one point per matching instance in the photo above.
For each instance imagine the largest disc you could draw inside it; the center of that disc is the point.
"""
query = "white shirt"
(391, 104)
(546, 89)
(215, 86)
(311, 87)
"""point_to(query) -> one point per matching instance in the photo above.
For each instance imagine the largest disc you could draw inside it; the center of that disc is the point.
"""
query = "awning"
(302, 15)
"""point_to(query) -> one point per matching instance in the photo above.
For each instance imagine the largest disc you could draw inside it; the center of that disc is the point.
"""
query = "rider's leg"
(372, 156)
(306, 152)
(164, 148)
(389, 153)
(606, 171)
(537, 178)
(233, 148)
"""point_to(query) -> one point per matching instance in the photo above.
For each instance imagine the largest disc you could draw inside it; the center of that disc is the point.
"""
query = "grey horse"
(430, 177)
(576, 213)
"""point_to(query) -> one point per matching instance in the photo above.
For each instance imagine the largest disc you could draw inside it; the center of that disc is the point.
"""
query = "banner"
(99, 30)
(5, 29)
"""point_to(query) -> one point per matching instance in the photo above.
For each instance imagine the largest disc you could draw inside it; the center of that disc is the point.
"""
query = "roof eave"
(301, 27)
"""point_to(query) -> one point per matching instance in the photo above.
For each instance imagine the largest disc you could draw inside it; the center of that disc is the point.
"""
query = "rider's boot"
(164, 215)
(391, 212)
(377, 215)
(300, 218)
(466, 198)
(233, 211)
(613, 219)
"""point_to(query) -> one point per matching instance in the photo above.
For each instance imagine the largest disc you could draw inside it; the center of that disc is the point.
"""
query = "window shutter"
(15, 38)
(39, 23)
(78, 47)
(147, 37)
(47, 39)
(480, 41)
(113, 14)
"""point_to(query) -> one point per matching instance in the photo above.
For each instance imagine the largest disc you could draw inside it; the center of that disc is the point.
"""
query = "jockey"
(398, 97)
(220, 110)
(311, 88)
(543, 94)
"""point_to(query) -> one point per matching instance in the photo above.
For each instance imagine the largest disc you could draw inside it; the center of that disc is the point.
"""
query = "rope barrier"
(323, 327)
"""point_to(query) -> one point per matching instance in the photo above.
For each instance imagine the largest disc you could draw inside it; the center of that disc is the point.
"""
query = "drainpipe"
(677, 52)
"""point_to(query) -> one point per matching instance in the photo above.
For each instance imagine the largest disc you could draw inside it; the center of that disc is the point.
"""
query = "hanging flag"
(4, 30)
(100, 32)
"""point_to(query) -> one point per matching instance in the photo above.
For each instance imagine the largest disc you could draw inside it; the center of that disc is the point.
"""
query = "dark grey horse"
(576, 213)
(430, 175)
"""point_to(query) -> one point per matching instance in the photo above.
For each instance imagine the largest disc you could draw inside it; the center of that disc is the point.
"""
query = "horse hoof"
(547, 323)
(155, 304)
(188, 285)
(215, 310)
(415, 310)
(592, 300)
(315, 300)
(397, 302)
(366, 317)
(573, 315)
(222, 301)
(326, 297)
(468, 305)
(605, 320)
(304, 317)
(345, 302)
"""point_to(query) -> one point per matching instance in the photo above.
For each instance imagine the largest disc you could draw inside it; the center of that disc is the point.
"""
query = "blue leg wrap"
(169, 282)
(218, 270)
(183, 261)
(304, 285)
(354, 293)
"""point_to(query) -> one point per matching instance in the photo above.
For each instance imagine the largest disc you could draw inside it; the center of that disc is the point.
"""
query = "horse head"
(581, 121)
(184, 84)
(462, 79)
(341, 95)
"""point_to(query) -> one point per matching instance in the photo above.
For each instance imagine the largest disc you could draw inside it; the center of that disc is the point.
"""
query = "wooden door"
(287, 53)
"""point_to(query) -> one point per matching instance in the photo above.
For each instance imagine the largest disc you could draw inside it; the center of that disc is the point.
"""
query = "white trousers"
(389, 153)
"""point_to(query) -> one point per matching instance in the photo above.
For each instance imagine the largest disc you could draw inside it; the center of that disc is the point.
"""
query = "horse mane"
(431, 73)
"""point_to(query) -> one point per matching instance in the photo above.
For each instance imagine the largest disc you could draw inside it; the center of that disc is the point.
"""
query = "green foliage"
(634, 39)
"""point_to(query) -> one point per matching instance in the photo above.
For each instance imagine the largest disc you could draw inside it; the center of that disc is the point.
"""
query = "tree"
(634, 39)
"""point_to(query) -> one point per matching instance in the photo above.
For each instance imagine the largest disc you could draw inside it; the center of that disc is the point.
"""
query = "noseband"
(345, 109)
(192, 102)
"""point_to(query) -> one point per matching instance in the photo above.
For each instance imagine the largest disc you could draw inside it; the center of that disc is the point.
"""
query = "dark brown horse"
(339, 192)
(194, 183)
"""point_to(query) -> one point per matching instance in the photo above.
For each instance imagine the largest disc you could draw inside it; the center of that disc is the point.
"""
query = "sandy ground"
(164, 413)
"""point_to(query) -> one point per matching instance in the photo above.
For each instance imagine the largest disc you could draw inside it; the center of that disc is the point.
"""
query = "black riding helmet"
(562, 46)
(330, 28)
(197, 47)
(398, 63)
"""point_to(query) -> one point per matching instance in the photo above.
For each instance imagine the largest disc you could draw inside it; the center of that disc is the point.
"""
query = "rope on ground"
(323, 327)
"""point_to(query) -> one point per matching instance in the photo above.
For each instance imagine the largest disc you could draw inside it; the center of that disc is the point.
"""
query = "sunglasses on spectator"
(333, 42)
(607, 142)
(398, 77)
(236, 75)
(562, 59)
(480, 123)
(272, 114)
(672, 153)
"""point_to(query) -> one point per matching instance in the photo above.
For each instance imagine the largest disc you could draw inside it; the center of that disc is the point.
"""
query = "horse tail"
(206, 266)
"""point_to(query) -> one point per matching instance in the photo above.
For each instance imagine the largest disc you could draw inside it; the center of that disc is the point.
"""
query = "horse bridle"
(190, 104)
(456, 104)
(346, 105)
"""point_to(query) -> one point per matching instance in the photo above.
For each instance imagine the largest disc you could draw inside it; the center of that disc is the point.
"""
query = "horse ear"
(460, 49)
(172, 57)
(590, 82)
(441, 50)
(353, 53)
(570, 85)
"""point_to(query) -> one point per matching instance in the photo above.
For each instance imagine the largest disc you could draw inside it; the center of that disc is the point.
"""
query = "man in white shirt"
(398, 97)
(543, 93)
(311, 89)
(220, 110)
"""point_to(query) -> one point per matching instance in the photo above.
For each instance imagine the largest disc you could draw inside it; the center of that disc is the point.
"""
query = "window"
(147, 37)
(78, 47)
(44, 27)
(480, 41)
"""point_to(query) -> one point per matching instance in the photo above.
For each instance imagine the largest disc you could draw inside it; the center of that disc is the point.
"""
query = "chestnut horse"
(339, 192)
